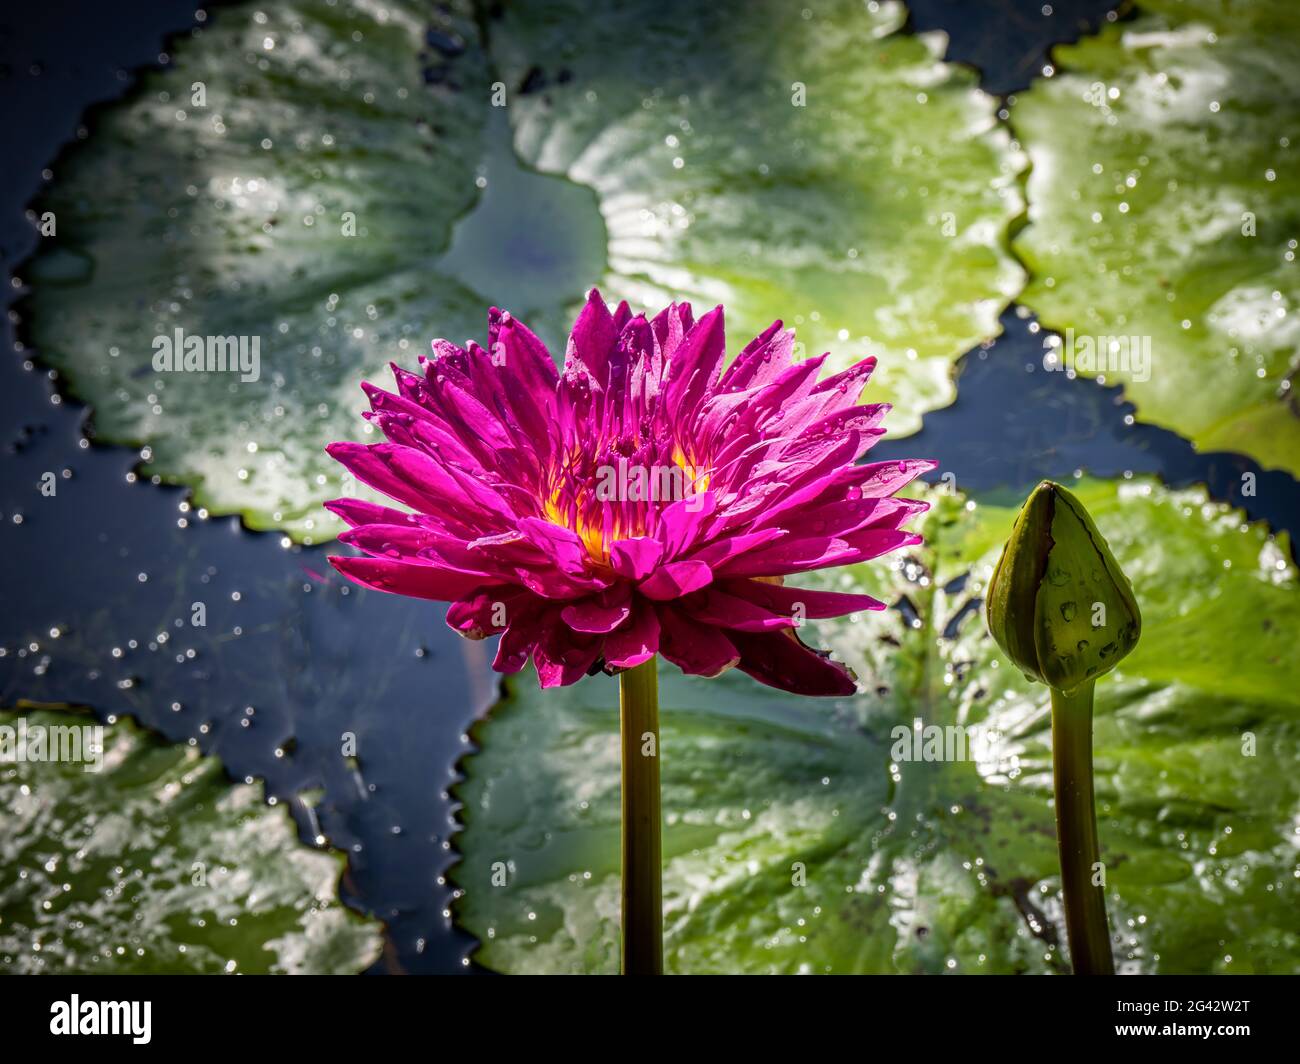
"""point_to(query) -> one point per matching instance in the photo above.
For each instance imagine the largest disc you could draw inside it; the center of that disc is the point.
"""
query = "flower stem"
(643, 918)
(1076, 832)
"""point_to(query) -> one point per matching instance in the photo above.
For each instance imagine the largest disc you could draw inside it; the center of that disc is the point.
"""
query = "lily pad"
(293, 176)
(799, 838)
(808, 162)
(1165, 211)
(155, 862)
(334, 181)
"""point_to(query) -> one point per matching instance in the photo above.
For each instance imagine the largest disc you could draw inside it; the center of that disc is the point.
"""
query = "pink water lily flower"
(641, 501)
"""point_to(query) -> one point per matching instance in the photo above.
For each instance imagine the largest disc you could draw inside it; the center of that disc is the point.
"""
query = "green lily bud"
(1058, 604)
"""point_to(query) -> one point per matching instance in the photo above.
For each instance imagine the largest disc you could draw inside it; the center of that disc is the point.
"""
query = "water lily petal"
(675, 580)
(695, 648)
(780, 660)
(636, 558)
(636, 641)
(600, 613)
(408, 578)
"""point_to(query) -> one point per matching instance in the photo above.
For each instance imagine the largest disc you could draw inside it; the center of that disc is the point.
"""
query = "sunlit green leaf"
(1164, 210)
(334, 181)
(927, 865)
(155, 862)
(808, 162)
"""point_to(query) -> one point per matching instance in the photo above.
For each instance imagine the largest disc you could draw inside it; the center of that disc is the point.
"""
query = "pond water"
(101, 581)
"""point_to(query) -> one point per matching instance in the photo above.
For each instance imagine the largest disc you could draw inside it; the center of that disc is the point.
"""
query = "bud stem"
(642, 908)
(1076, 832)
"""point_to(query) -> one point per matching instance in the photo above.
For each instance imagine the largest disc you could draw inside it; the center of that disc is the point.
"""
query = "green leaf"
(228, 219)
(804, 162)
(1165, 206)
(157, 863)
(940, 864)
(231, 216)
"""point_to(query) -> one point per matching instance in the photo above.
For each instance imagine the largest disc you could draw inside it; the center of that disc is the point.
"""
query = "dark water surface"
(99, 583)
